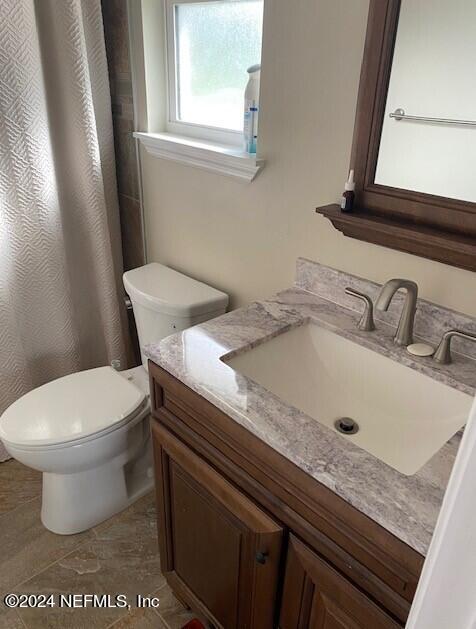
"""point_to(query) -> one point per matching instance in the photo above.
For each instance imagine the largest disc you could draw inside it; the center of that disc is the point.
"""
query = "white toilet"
(89, 432)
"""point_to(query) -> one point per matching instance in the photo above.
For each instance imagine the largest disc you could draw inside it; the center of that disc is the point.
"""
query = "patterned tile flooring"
(119, 556)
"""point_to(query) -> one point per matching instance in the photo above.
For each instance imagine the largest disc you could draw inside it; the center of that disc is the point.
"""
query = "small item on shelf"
(348, 196)
(250, 128)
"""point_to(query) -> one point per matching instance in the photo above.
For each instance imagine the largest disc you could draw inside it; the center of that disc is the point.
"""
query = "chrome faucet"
(443, 351)
(404, 335)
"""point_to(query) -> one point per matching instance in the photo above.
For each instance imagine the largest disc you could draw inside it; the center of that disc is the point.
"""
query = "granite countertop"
(407, 506)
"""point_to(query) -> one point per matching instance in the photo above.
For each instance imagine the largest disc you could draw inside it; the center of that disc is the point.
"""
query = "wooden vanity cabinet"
(317, 596)
(218, 549)
(250, 541)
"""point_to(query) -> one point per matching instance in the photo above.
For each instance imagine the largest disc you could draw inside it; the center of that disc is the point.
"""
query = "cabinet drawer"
(315, 596)
(218, 549)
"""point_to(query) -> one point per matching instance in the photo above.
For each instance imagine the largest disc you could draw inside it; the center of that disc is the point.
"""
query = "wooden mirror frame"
(423, 224)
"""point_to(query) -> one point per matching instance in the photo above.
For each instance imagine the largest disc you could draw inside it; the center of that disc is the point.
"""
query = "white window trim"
(183, 145)
(216, 158)
(174, 124)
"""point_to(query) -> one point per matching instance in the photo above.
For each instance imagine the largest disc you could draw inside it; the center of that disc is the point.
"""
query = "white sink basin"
(404, 417)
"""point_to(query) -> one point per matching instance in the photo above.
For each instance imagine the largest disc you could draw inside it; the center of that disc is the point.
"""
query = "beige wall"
(245, 238)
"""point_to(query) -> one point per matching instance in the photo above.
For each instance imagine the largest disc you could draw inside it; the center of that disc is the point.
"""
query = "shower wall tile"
(117, 48)
(122, 104)
(131, 226)
(117, 43)
(126, 161)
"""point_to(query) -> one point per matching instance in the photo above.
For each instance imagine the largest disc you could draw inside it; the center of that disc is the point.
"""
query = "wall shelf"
(458, 249)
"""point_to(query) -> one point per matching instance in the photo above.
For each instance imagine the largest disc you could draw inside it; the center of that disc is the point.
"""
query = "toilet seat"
(71, 410)
(129, 421)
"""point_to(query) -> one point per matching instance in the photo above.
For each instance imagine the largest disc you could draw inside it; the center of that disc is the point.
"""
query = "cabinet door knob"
(261, 557)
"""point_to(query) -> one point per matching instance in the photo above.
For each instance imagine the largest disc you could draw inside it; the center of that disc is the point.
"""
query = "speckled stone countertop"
(407, 506)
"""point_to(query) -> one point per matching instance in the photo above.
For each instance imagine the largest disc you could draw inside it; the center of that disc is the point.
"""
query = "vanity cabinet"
(218, 548)
(317, 596)
(250, 541)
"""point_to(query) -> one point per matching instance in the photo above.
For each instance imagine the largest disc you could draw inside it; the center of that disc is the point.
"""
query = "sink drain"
(346, 425)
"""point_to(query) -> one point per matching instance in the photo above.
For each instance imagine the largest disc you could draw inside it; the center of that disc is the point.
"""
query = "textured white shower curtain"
(61, 308)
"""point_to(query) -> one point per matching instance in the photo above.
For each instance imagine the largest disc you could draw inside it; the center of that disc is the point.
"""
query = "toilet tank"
(165, 301)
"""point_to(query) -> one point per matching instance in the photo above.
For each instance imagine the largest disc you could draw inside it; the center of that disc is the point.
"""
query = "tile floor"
(119, 556)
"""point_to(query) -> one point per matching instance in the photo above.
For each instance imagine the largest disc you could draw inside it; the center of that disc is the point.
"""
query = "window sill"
(216, 158)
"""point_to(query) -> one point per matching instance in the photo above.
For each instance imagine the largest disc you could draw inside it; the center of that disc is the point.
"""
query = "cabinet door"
(315, 596)
(219, 551)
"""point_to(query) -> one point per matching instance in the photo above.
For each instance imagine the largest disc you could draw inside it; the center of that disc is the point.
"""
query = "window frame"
(147, 32)
(173, 123)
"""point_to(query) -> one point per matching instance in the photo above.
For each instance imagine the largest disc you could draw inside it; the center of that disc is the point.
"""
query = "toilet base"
(73, 503)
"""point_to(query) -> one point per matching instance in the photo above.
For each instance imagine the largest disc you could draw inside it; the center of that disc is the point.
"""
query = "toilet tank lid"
(162, 289)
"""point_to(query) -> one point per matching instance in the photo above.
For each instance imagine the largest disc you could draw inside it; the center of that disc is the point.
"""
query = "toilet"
(88, 432)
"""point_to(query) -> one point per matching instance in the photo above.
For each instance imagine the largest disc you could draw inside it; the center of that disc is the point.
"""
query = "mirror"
(428, 140)
(415, 179)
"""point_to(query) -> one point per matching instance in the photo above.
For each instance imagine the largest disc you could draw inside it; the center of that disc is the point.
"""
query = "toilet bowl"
(88, 432)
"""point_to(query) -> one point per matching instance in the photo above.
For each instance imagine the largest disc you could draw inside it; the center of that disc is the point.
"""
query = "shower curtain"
(61, 303)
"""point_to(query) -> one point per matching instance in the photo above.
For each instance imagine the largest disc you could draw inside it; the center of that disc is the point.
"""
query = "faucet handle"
(366, 322)
(443, 351)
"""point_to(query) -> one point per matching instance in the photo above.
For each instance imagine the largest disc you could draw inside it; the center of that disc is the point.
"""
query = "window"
(190, 61)
(210, 46)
